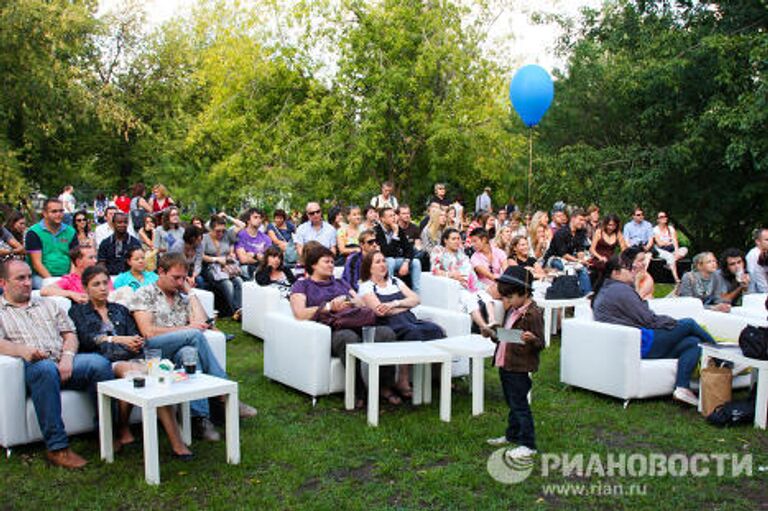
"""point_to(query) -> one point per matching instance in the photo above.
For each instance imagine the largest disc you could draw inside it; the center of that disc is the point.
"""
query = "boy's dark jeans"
(516, 387)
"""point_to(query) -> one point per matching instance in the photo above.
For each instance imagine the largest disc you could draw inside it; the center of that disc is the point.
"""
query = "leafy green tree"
(663, 105)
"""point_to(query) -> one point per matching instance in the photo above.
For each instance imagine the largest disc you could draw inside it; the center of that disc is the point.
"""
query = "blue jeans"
(414, 270)
(682, 343)
(230, 290)
(172, 345)
(44, 387)
(520, 428)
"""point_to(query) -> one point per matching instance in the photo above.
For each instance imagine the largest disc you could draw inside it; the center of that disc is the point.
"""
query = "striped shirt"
(38, 324)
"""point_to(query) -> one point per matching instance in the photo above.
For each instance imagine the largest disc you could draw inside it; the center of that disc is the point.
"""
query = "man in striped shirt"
(40, 333)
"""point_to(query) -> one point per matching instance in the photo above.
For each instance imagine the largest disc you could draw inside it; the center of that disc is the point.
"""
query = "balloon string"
(530, 165)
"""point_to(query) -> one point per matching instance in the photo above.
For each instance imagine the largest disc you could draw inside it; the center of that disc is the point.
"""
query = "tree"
(663, 105)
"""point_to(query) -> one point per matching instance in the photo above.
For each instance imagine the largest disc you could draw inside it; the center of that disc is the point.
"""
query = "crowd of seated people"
(223, 252)
(150, 252)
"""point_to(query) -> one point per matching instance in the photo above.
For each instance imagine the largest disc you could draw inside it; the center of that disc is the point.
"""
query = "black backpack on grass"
(734, 413)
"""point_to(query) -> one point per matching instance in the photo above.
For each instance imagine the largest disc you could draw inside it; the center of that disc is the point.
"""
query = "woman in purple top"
(321, 291)
(251, 242)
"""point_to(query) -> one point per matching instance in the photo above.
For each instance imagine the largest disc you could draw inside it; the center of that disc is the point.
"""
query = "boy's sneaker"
(520, 451)
(498, 442)
(685, 396)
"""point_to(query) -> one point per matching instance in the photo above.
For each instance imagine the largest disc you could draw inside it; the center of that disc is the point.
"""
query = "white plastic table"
(477, 348)
(418, 353)
(551, 308)
(760, 367)
(201, 386)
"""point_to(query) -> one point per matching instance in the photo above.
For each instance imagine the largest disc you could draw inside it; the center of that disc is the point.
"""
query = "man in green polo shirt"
(48, 243)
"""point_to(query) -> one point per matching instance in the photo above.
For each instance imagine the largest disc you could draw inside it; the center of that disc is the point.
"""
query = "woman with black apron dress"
(392, 300)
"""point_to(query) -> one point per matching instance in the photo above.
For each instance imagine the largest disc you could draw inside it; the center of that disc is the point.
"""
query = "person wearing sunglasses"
(221, 269)
(85, 236)
(315, 229)
(639, 231)
(48, 243)
(352, 266)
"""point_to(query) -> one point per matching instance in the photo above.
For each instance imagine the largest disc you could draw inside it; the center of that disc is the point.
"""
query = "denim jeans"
(172, 345)
(414, 270)
(44, 387)
(682, 343)
(231, 290)
(520, 428)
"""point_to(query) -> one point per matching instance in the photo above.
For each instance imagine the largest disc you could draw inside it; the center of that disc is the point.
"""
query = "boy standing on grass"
(516, 361)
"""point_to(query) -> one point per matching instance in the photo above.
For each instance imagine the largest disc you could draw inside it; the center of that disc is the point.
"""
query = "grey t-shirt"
(171, 240)
(225, 245)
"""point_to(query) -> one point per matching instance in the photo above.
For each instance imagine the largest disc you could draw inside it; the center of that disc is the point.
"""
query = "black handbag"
(753, 341)
(564, 287)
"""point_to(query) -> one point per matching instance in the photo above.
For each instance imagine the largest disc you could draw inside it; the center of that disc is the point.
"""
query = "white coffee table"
(551, 308)
(201, 386)
(477, 348)
(733, 354)
(395, 353)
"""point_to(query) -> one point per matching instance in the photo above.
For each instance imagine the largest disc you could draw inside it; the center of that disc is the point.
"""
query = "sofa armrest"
(13, 402)
(218, 343)
(725, 327)
(258, 301)
(454, 323)
(297, 353)
(601, 357)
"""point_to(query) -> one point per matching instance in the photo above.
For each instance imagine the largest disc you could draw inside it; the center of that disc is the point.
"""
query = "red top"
(123, 203)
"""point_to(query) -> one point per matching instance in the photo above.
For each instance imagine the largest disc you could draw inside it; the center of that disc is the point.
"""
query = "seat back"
(755, 301)
(440, 292)
(678, 308)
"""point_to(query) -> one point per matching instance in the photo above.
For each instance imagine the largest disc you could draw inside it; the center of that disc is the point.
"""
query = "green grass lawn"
(295, 456)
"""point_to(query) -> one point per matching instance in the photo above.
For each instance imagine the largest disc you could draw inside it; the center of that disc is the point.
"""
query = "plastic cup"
(369, 334)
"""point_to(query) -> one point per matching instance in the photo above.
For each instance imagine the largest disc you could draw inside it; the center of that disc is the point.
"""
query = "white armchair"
(298, 353)
(605, 358)
(18, 421)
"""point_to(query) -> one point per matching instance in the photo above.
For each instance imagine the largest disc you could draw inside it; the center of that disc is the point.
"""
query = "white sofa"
(443, 293)
(752, 306)
(605, 358)
(298, 353)
(18, 422)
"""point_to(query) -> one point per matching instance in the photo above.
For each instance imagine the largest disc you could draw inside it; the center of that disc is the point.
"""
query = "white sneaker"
(498, 442)
(685, 396)
(520, 451)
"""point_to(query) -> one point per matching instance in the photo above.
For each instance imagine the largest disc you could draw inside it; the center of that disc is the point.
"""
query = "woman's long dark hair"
(86, 227)
(14, 217)
(622, 261)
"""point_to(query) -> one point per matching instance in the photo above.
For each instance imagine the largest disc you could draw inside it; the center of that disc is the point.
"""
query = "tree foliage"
(664, 105)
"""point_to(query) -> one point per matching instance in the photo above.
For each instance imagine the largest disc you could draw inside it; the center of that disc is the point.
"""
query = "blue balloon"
(531, 93)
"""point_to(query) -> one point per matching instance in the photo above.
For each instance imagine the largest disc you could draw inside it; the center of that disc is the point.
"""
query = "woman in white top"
(392, 300)
(668, 248)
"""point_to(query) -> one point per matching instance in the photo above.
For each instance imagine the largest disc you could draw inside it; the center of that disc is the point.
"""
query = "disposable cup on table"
(369, 334)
